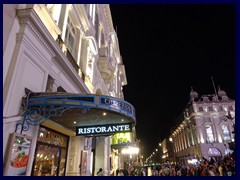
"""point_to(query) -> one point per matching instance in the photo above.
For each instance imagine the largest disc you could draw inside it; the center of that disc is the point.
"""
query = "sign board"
(18, 155)
(103, 129)
(114, 103)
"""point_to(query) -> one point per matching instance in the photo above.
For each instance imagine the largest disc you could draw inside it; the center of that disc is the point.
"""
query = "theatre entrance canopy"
(84, 114)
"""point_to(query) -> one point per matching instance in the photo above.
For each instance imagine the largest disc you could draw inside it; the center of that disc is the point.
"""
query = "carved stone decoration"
(223, 119)
(206, 120)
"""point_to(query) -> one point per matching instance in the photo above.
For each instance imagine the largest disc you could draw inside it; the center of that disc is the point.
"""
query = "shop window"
(51, 153)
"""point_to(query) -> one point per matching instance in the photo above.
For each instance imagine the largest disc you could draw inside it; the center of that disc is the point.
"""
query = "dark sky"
(166, 49)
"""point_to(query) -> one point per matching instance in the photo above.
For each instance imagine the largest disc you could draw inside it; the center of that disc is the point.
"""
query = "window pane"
(226, 133)
(210, 137)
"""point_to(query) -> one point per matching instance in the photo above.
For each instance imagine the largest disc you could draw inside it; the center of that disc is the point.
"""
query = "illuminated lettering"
(109, 129)
(80, 131)
(121, 127)
(127, 128)
(115, 128)
(106, 101)
(88, 130)
(98, 129)
(117, 104)
(103, 129)
(92, 129)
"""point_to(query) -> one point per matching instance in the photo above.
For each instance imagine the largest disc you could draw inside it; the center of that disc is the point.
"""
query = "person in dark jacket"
(100, 173)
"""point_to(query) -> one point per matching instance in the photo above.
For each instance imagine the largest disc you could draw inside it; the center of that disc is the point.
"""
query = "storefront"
(84, 118)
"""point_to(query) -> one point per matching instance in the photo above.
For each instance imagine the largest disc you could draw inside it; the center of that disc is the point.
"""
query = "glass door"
(51, 153)
(47, 160)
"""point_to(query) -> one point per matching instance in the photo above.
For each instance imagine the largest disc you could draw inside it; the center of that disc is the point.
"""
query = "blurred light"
(130, 150)
(41, 134)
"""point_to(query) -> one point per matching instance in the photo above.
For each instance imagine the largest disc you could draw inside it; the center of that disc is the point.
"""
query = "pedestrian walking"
(100, 173)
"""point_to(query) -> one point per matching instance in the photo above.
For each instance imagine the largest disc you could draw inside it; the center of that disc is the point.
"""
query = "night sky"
(166, 49)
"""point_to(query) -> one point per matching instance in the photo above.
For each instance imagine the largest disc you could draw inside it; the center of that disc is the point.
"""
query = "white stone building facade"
(69, 48)
(204, 129)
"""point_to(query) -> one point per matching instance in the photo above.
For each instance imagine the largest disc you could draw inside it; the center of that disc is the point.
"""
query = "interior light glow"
(130, 150)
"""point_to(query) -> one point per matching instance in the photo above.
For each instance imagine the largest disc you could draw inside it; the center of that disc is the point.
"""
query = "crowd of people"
(222, 167)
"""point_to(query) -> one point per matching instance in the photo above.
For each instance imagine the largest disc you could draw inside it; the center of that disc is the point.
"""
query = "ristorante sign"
(103, 129)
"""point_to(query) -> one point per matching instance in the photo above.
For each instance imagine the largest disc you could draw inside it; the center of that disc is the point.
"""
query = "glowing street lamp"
(130, 150)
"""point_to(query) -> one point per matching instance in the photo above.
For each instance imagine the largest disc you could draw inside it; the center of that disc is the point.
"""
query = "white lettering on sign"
(117, 104)
(103, 129)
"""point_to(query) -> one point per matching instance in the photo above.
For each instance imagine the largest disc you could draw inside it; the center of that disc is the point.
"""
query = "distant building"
(63, 78)
(205, 128)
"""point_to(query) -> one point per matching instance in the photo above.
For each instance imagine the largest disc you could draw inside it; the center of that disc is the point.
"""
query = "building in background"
(205, 129)
(63, 77)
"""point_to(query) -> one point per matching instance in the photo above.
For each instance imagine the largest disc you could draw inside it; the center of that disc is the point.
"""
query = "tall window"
(226, 133)
(70, 36)
(209, 132)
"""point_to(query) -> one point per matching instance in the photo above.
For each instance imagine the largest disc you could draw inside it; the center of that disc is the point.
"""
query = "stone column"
(74, 155)
(88, 145)
(103, 152)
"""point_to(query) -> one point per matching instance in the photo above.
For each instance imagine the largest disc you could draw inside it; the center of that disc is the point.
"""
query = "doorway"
(51, 153)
